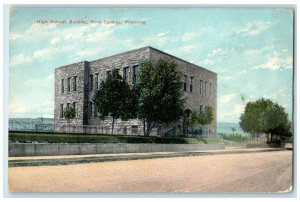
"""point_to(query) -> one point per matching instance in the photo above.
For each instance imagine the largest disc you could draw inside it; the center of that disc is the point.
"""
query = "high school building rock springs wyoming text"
(76, 84)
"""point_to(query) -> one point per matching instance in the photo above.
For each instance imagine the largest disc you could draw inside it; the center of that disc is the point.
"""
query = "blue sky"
(251, 49)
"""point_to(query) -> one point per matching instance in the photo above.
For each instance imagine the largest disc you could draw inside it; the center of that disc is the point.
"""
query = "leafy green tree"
(69, 114)
(198, 119)
(233, 129)
(160, 98)
(115, 98)
(265, 116)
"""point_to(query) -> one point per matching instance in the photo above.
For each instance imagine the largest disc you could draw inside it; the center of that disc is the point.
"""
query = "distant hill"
(35, 124)
(225, 127)
(32, 123)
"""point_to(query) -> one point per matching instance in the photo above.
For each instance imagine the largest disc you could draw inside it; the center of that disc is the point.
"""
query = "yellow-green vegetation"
(234, 137)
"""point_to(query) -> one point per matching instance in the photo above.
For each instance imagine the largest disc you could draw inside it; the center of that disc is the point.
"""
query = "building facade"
(76, 84)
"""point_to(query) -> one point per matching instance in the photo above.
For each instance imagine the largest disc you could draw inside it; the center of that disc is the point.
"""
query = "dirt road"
(252, 172)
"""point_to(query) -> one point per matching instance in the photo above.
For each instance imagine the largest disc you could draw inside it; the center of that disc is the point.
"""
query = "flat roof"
(146, 47)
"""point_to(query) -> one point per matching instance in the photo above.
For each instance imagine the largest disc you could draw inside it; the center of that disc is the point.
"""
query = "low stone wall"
(36, 149)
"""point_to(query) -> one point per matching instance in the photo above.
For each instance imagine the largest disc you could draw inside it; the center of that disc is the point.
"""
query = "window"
(75, 83)
(201, 86)
(134, 130)
(97, 81)
(205, 88)
(184, 83)
(61, 110)
(95, 111)
(191, 84)
(69, 84)
(62, 86)
(68, 105)
(125, 130)
(90, 109)
(108, 74)
(91, 82)
(74, 106)
(136, 72)
(201, 108)
(210, 89)
(125, 74)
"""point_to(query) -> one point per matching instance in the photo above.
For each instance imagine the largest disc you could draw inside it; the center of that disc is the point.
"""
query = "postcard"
(135, 100)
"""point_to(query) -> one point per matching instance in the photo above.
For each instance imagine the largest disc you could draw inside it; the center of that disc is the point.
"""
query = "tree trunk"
(144, 124)
(112, 127)
(267, 136)
(148, 128)
(68, 127)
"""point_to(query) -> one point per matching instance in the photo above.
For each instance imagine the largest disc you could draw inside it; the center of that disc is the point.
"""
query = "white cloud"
(186, 48)
(207, 62)
(20, 59)
(258, 51)
(232, 115)
(55, 40)
(162, 34)
(43, 53)
(15, 36)
(243, 72)
(89, 52)
(27, 108)
(228, 97)
(33, 31)
(17, 106)
(277, 62)
(39, 55)
(188, 36)
(99, 36)
(253, 28)
(226, 78)
(220, 52)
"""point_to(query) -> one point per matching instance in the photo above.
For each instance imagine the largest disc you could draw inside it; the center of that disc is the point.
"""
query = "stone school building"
(76, 84)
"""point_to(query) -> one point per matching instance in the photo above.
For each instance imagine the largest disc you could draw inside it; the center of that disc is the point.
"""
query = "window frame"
(62, 88)
(75, 83)
(69, 84)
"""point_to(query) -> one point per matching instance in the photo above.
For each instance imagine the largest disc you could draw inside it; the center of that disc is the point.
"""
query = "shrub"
(234, 137)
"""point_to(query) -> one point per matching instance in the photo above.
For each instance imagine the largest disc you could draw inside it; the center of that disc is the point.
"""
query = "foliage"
(69, 114)
(104, 138)
(234, 137)
(115, 98)
(201, 118)
(265, 116)
(160, 99)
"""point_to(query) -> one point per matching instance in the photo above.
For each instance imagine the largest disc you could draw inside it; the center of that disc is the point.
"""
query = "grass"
(234, 137)
(27, 137)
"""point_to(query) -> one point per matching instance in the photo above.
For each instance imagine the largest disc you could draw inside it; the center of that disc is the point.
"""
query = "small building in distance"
(76, 84)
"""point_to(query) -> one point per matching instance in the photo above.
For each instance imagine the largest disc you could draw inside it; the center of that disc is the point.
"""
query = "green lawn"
(28, 137)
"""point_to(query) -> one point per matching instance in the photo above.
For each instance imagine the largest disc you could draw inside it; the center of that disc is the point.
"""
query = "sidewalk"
(75, 159)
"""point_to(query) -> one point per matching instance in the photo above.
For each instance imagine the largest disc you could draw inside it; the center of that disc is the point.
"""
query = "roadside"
(76, 159)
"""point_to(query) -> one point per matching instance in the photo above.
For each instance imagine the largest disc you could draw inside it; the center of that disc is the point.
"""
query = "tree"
(264, 116)
(198, 119)
(160, 98)
(69, 114)
(115, 98)
(233, 130)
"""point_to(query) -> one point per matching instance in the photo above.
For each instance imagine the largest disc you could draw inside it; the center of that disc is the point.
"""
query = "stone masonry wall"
(77, 69)
(100, 67)
(84, 94)
(194, 99)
